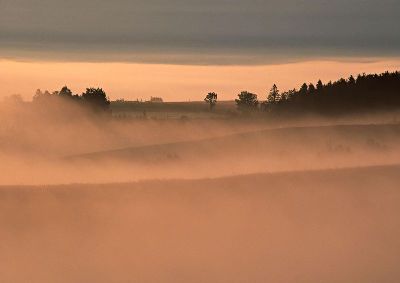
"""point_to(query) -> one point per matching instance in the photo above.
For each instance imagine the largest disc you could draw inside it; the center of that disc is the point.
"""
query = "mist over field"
(94, 198)
(187, 141)
(330, 226)
(62, 142)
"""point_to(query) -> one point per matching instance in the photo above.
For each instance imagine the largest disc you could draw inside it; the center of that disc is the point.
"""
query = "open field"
(190, 141)
(172, 110)
(168, 150)
(199, 200)
(311, 226)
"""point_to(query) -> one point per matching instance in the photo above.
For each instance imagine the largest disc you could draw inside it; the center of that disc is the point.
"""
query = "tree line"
(361, 93)
(93, 98)
(364, 92)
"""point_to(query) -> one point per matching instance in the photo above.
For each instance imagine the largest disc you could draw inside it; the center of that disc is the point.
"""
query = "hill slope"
(317, 226)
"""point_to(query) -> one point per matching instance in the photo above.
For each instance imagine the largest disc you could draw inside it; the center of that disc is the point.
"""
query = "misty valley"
(93, 190)
(199, 141)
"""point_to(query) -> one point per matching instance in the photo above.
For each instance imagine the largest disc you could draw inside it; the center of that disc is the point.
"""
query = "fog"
(90, 198)
(331, 226)
(61, 142)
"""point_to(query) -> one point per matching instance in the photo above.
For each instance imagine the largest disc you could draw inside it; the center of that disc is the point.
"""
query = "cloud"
(193, 31)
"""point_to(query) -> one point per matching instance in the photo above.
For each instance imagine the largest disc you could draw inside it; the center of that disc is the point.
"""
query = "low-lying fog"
(177, 201)
(62, 143)
(330, 226)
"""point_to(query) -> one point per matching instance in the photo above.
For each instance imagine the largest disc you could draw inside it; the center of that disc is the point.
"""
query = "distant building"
(156, 99)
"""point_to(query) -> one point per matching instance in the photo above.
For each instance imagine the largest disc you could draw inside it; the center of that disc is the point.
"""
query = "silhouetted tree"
(247, 101)
(211, 99)
(65, 92)
(360, 94)
(96, 98)
(311, 89)
(41, 97)
(273, 96)
(304, 89)
(352, 81)
(284, 96)
(319, 85)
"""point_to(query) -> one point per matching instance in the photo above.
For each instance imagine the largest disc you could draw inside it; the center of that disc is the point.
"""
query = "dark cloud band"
(192, 31)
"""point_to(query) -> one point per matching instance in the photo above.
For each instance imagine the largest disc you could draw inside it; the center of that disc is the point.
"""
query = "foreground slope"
(310, 226)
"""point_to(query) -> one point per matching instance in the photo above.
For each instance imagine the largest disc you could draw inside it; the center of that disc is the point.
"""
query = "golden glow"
(176, 82)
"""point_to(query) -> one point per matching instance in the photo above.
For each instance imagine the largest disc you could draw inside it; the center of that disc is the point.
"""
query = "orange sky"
(176, 82)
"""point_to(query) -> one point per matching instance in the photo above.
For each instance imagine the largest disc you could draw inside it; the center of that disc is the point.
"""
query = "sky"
(209, 38)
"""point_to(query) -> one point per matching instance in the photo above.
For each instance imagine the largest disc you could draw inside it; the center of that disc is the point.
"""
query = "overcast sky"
(198, 31)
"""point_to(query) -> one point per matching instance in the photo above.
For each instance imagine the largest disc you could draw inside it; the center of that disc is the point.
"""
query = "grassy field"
(172, 110)
(311, 226)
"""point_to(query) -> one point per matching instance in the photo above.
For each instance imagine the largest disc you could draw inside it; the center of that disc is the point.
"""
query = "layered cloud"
(198, 32)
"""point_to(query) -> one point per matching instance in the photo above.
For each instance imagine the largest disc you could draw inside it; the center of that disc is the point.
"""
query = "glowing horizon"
(182, 49)
(133, 81)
